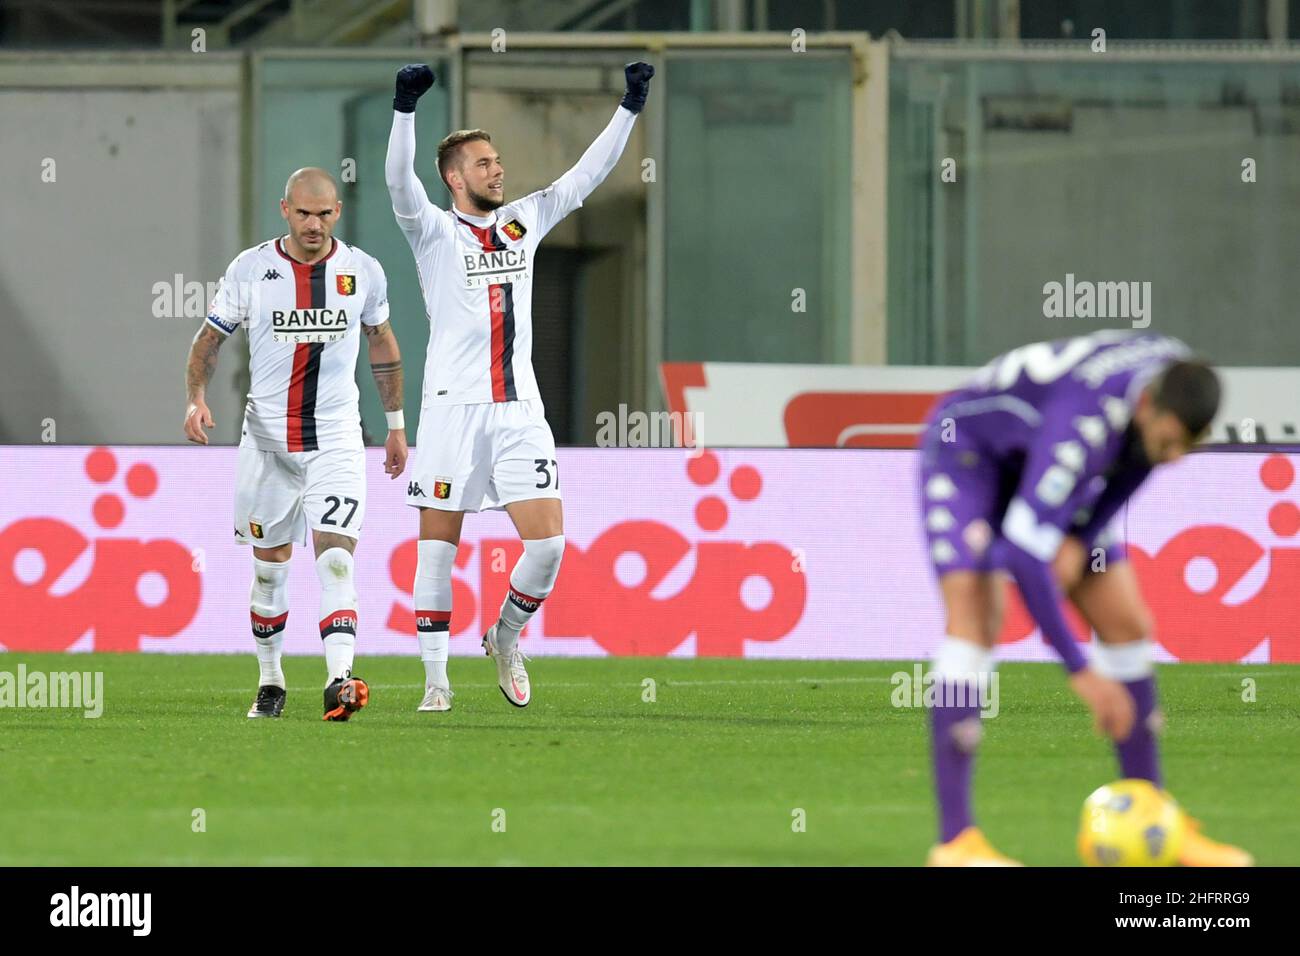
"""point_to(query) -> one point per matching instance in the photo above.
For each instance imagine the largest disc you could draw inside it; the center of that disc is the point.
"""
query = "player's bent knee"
(334, 568)
(974, 622)
(326, 541)
(270, 587)
(547, 553)
(1134, 626)
(1144, 625)
(334, 563)
(973, 605)
(269, 575)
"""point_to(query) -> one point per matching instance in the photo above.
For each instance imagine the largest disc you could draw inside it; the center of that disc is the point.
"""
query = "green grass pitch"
(711, 772)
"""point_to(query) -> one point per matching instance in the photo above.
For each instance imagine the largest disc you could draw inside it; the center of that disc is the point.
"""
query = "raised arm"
(602, 155)
(568, 192)
(405, 188)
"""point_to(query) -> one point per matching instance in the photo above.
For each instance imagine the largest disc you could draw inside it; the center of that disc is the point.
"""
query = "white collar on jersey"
(279, 247)
(480, 221)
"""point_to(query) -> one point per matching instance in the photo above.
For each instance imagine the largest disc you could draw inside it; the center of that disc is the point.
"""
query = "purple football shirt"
(1038, 446)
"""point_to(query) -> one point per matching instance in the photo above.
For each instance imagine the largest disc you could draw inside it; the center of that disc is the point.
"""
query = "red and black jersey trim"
(501, 313)
(503, 346)
(301, 420)
(300, 409)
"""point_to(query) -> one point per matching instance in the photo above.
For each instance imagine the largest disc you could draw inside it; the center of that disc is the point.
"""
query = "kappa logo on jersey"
(514, 230)
(441, 489)
(346, 283)
(494, 268)
(414, 490)
(271, 274)
(309, 325)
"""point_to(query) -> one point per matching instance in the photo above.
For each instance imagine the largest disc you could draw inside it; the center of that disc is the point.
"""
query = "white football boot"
(512, 678)
(436, 699)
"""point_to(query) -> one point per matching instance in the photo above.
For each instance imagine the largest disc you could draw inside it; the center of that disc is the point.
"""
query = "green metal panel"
(757, 175)
(320, 111)
(1122, 167)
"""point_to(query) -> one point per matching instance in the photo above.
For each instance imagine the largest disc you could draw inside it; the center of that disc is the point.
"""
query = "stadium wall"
(1169, 168)
(133, 179)
(782, 553)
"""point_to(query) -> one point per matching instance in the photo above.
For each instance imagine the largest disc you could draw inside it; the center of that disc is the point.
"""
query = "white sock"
(268, 610)
(962, 661)
(531, 582)
(1124, 662)
(338, 611)
(433, 607)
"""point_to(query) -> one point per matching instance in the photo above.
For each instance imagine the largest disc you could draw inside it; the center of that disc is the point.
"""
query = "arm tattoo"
(385, 364)
(388, 379)
(202, 361)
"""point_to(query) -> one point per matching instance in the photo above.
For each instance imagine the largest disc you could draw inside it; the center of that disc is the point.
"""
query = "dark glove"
(638, 85)
(413, 81)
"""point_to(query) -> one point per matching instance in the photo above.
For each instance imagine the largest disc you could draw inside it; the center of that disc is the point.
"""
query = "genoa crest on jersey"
(514, 229)
(442, 489)
(346, 283)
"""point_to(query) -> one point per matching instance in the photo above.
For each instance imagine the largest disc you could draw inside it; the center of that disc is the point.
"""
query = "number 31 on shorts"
(545, 467)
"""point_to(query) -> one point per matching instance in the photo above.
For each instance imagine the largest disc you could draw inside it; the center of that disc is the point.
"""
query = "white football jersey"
(476, 274)
(303, 324)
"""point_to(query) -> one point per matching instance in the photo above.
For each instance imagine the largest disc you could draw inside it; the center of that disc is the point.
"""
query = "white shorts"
(279, 494)
(481, 457)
